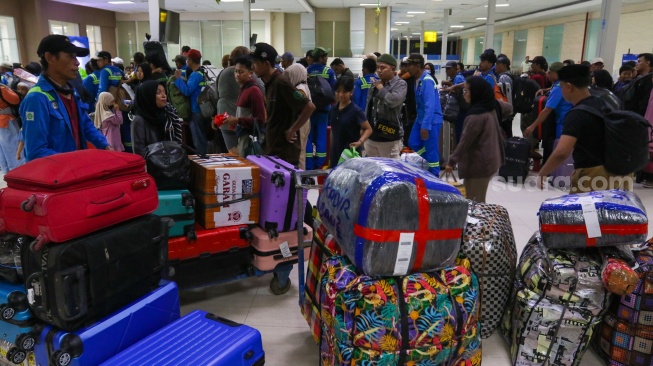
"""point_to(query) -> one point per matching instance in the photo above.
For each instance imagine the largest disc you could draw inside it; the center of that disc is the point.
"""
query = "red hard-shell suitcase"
(209, 242)
(68, 195)
(268, 253)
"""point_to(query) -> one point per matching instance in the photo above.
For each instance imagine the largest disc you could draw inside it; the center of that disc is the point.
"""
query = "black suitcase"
(545, 132)
(517, 159)
(10, 249)
(76, 283)
(211, 269)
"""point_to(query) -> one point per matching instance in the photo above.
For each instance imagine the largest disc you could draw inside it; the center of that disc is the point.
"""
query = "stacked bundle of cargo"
(396, 296)
(565, 275)
(83, 258)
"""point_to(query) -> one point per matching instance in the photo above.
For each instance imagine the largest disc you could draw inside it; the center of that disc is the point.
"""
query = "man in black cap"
(287, 108)
(583, 134)
(54, 118)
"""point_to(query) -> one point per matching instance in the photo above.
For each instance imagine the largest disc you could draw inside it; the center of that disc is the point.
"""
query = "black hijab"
(146, 107)
(147, 71)
(482, 96)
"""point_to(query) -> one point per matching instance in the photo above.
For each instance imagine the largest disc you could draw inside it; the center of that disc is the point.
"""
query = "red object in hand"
(220, 119)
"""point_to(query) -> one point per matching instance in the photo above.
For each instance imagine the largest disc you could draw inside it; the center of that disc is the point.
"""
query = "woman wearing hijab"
(108, 118)
(155, 119)
(297, 75)
(479, 153)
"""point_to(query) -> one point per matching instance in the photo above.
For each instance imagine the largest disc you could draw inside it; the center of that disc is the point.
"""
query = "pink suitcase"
(278, 194)
(270, 252)
(65, 196)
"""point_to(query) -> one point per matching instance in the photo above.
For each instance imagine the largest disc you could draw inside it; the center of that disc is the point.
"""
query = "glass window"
(232, 35)
(8, 41)
(94, 35)
(478, 49)
(189, 34)
(498, 42)
(334, 35)
(592, 41)
(258, 27)
(463, 54)
(552, 47)
(65, 28)
(212, 42)
(519, 47)
(128, 42)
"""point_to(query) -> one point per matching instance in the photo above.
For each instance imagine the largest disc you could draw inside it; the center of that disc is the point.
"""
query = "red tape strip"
(639, 229)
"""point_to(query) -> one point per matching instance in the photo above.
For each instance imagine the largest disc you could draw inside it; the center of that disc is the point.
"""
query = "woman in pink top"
(108, 118)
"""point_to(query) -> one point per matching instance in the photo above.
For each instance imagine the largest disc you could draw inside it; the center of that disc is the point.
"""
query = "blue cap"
(287, 56)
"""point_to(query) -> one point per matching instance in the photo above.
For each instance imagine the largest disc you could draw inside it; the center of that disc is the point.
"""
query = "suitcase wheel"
(7, 312)
(28, 204)
(61, 358)
(276, 288)
(273, 233)
(16, 356)
(37, 244)
(25, 342)
(277, 179)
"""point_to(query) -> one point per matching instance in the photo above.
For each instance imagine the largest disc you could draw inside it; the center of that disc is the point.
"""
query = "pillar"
(610, 15)
(488, 42)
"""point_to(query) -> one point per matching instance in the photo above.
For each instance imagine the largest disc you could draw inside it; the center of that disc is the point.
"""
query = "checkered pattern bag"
(638, 307)
(489, 243)
(623, 343)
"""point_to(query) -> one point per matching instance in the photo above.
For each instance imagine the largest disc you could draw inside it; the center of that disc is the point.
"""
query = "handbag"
(450, 108)
(455, 183)
(387, 130)
(168, 163)
(350, 153)
(254, 143)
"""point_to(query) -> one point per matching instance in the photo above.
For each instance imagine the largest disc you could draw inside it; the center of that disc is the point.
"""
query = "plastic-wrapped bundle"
(489, 243)
(11, 269)
(601, 218)
(423, 318)
(392, 219)
(557, 301)
(415, 160)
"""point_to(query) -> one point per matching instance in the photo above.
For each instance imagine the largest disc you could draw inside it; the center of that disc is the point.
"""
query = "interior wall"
(277, 36)
(15, 9)
(292, 34)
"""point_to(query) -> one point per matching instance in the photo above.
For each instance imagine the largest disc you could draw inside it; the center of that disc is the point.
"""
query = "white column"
(408, 44)
(247, 23)
(357, 31)
(488, 42)
(610, 15)
(399, 48)
(153, 7)
(443, 51)
(421, 38)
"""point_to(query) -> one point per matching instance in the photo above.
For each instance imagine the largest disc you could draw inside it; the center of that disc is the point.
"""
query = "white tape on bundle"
(404, 252)
(591, 217)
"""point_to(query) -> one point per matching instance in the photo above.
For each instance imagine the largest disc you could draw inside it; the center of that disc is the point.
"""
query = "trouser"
(317, 137)
(428, 149)
(198, 130)
(303, 140)
(386, 149)
(126, 133)
(230, 138)
(597, 178)
(476, 188)
(8, 147)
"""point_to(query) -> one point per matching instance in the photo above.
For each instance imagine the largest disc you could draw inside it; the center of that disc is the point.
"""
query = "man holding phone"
(384, 101)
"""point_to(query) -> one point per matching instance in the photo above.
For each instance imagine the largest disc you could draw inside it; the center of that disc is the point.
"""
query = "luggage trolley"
(305, 180)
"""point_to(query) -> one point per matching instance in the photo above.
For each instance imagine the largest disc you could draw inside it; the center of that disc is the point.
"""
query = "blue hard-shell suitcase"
(18, 328)
(199, 338)
(14, 307)
(97, 343)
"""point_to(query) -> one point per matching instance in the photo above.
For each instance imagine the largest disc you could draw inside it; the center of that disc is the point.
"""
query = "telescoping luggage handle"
(304, 180)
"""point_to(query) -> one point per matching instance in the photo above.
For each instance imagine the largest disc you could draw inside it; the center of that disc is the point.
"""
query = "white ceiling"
(463, 12)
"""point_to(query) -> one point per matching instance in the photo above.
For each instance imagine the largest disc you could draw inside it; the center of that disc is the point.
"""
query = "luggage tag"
(404, 251)
(591, 217)
(285, 250)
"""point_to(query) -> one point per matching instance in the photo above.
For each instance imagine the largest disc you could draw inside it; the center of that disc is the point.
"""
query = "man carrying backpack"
(320, 118)
(584, 135)
(192, 89)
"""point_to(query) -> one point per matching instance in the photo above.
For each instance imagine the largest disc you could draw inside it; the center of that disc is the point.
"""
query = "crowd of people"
(268, 100)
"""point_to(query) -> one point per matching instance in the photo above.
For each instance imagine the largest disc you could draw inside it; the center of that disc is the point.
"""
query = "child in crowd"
(108, 118)
(349, 125)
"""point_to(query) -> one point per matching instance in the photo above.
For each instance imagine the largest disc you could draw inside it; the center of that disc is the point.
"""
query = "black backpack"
(626, 139)
(523, 94)
(208, 98)
(321, 93)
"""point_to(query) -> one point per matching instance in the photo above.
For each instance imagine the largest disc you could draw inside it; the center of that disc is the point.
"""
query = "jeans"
(198, 130)
(8, 147)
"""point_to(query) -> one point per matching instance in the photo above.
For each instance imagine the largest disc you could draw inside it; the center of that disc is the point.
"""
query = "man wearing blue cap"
(55, 120)
(287, 59)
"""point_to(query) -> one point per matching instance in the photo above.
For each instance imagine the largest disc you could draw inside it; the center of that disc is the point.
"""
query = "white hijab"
(102, 111)
(297, 75)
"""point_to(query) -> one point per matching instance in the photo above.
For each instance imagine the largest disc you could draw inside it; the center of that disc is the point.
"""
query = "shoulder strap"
(591, 110)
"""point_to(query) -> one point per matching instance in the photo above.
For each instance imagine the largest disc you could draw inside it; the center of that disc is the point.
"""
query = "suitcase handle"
(99, 208)
(70, 286)
(219, 319)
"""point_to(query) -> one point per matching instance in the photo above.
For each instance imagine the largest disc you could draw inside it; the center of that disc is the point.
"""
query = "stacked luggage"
(565, 276)
(83, 260)
(385, 284)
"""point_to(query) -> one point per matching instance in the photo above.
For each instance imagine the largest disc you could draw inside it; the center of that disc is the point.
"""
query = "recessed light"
(481, 18)
(365, 4)
(394, 29)
(416, 12)
(120, 2)
(498, 5)
(257, 9)
(402, 22)
(456, 26)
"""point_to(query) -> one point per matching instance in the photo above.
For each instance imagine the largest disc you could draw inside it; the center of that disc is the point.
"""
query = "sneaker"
(647, 184)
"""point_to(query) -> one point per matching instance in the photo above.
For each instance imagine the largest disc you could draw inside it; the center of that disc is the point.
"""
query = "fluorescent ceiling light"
(394, 29)
(416, 12)
(120, 2)
(498, 5)
(456, 26)
(362, 4)
(402, 22)
(256, 9)
(417, 34)
(481, 18)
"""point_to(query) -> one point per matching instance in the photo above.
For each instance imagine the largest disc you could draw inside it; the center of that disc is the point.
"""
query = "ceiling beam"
(305, 5)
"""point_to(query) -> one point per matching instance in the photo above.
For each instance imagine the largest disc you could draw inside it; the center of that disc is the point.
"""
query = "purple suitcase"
(561, 177)
(278, 194)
